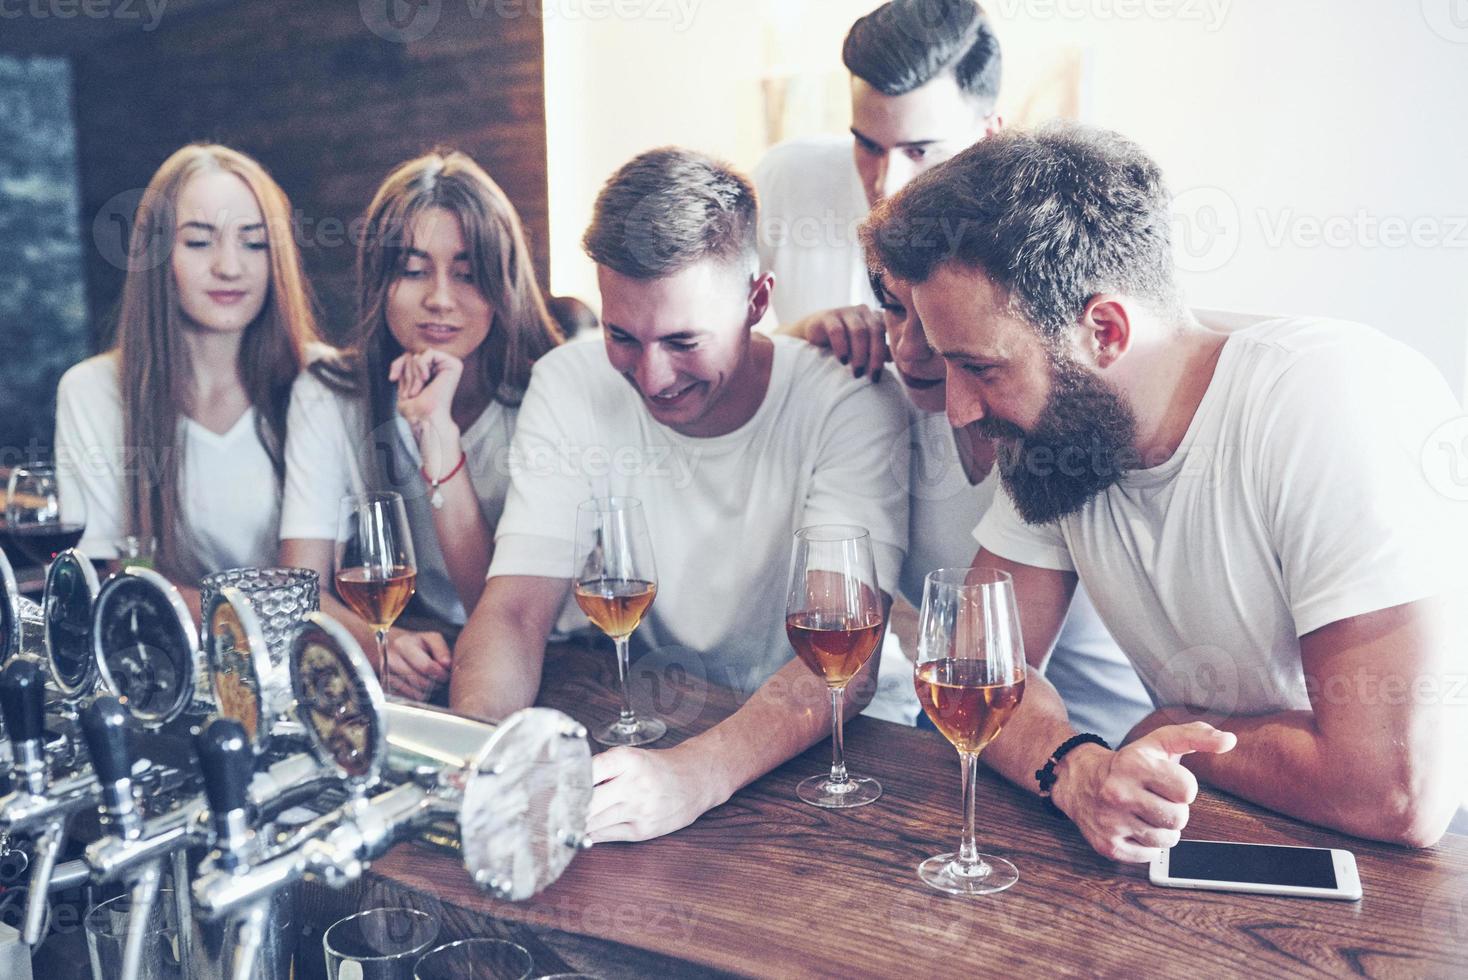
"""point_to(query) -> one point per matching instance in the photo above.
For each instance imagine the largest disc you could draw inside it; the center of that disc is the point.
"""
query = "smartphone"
(1265, 869)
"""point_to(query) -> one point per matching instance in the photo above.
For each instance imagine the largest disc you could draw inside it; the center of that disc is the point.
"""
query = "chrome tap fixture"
(519, 791)
(36, 805)
(141, 642)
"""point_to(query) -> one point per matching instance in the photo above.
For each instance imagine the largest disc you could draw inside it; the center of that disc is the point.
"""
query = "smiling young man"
(1249, 511)
(732, 441)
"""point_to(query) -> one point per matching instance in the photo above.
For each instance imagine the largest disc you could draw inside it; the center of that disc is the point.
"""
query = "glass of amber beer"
(970, 677)
(833, 616)
(615, 585)
(376, 571)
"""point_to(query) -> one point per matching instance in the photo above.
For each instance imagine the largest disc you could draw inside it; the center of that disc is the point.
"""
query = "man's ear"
(760, 293)
(1105, 329)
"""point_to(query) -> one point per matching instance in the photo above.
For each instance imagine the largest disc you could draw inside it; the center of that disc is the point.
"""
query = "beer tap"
(36, 805)
(104, 726)
(237, 656)
(226, 758)
(508, 855)
(520, 791)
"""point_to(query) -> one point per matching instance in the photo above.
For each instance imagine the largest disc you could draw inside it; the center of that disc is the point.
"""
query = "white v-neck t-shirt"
(325, 462)
(230, 496)
(1300, 495)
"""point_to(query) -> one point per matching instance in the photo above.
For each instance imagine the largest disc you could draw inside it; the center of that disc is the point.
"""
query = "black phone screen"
(1302, 867)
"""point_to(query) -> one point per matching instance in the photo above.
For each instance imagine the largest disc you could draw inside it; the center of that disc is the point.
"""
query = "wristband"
(437, 498)
(1045, 775)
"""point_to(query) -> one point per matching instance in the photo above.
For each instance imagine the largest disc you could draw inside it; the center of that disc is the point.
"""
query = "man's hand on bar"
(1130, 802)
(645, 793)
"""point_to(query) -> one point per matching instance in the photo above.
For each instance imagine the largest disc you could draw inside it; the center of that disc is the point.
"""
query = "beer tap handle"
(227, 762)
(23, 701)
(104, 724)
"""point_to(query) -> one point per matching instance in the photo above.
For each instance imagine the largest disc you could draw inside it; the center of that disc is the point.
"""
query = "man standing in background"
(924, 86)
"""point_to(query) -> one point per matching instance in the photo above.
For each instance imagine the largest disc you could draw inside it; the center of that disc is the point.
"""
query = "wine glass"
(970, 677)
(615, 585)
(833, 616)
(375, 568)
(40, 523)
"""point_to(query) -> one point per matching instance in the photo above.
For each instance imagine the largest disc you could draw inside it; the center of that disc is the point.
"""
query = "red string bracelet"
(437, 499)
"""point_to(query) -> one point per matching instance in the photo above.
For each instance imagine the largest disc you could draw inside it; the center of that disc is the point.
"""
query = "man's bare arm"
(1380, 754)
(645, 793)
(501, 652)
(1126, 803)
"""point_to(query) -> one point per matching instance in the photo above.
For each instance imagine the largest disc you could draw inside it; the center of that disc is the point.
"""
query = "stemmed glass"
(38, 520)
(615, 585)
(375, 568)
(833, 616)
(970, 677)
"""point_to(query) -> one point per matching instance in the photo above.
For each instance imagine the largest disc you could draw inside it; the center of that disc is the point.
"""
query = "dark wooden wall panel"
(327, 105)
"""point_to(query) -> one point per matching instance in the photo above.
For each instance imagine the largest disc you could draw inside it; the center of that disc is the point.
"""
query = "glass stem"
(838, 751)
(628, 720)
(382, 660)
(968, 851)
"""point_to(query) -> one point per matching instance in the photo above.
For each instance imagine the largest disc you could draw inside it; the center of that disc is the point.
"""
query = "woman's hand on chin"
(427, 381)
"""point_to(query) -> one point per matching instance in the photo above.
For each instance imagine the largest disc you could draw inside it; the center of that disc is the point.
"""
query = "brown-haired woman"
(450, 319)
(177, 434)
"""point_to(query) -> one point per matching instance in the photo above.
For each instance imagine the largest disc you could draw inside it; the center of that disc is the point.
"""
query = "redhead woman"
(177, 434)
(450, 320)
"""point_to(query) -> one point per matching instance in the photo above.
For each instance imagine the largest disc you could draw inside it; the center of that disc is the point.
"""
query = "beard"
(1081, 444)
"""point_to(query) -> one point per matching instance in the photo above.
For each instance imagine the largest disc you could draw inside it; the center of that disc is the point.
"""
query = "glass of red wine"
(39, 522)
(970, 677)
(833, 616)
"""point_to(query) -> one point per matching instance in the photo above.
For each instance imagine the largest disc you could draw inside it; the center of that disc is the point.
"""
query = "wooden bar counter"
(768, 886)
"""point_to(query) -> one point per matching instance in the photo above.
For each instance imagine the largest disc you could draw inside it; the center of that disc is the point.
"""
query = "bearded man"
(1248, 511)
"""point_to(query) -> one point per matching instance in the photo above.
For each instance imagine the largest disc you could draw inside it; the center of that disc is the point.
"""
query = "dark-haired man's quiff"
(905, 44)
(1053, 216)
(669, 208)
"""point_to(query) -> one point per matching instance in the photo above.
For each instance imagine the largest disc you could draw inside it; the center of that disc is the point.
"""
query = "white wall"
(1309, 143)
(1319, 149)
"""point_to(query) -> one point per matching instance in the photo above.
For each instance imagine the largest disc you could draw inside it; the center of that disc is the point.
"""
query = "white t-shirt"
(228, 489)
(1102, 692)
(811, 203)
(325, 461)
(1296, 498)
(722, 511)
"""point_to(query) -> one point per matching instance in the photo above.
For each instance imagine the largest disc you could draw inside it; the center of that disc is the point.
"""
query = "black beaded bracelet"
(1045, 775)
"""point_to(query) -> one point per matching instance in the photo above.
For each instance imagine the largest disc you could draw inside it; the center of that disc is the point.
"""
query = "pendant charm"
(437, 499)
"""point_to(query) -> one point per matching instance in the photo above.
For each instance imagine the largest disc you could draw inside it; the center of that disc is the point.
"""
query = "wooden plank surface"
(768, 886)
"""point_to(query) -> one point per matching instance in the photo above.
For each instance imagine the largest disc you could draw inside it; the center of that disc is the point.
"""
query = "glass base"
(989, 875)
(640, 732)
(856, 791)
